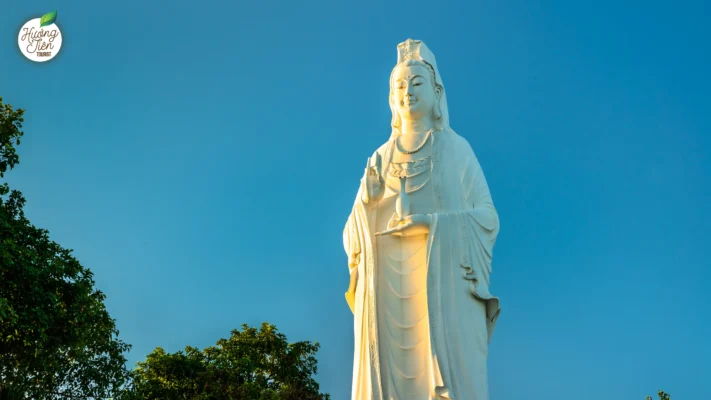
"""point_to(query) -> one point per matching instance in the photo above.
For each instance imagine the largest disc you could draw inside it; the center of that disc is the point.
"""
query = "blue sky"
(202, 158)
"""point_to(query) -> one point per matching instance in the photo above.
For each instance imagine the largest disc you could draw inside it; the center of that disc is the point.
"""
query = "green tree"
(56, 338)
(253, 363)
(662, 396)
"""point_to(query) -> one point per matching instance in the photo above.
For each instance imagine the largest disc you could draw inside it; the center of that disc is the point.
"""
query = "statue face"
(414, 92)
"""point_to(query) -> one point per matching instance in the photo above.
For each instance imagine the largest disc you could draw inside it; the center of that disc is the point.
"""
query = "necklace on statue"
(418, 148)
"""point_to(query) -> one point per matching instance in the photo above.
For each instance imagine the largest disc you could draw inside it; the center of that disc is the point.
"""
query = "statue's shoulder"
(460, 145)
(460, 141)
(382, 149)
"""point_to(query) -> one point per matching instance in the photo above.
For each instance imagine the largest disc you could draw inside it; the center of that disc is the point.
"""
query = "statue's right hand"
(373, 183)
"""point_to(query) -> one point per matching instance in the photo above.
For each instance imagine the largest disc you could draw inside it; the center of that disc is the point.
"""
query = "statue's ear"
(438, 106)
(395, 121)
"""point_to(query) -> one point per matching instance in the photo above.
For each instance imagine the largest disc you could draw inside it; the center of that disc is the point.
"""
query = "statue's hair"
(396, 120)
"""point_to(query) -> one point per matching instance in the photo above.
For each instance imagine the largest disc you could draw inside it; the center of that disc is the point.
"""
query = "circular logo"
(40, 39)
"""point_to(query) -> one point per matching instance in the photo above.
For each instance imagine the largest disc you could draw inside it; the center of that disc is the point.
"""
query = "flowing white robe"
(461, 311)
(401, 289)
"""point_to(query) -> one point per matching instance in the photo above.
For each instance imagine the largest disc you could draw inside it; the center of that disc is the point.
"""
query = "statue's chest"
(410, 175)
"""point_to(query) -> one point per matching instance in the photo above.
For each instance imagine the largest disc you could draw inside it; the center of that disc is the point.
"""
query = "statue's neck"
(417, 127)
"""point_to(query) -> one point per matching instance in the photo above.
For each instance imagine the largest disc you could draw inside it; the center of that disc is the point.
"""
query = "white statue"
(419, 242)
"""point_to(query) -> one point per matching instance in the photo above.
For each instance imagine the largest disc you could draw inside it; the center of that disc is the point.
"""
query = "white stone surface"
(419, 241)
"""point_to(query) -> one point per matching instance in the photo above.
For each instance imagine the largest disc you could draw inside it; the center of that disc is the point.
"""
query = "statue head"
(416, 90)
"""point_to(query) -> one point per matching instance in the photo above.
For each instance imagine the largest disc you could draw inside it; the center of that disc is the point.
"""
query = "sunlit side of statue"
(419, 241)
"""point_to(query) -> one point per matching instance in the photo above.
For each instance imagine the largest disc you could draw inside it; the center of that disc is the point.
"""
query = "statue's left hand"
(418, 224)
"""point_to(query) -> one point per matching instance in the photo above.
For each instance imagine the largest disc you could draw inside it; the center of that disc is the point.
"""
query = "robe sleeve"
(353, 234)
(479, 219)
(352, 246)
(478, 228)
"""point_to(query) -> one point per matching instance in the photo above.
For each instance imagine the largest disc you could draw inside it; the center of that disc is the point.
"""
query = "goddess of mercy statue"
(419, 241)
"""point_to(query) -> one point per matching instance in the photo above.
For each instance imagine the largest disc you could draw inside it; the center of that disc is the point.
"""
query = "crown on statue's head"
(409, 50)
(416, 50)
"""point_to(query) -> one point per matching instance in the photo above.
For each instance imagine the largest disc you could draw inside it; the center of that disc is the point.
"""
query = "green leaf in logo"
(48, 19)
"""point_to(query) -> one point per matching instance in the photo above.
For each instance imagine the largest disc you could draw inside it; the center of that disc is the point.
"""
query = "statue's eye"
(417, 84)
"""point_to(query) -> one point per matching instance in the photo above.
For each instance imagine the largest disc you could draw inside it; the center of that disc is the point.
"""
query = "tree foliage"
(57, 339)
(10, 133)
(662, 396)
(253, 363)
